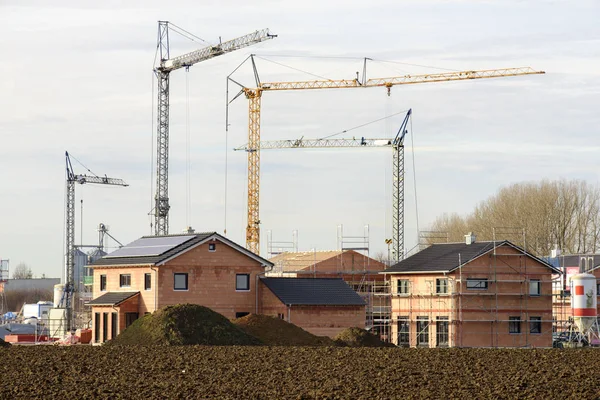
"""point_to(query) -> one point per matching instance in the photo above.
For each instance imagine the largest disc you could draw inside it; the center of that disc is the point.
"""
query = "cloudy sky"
(77, 76)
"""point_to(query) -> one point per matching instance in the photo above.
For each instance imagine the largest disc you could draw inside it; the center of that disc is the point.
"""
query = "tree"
(22, 271)
(537, 216)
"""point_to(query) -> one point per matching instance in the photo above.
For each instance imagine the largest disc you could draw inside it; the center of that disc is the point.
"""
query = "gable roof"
(193, 241)
(446, 257)
(298, 261)
(313, 291)
(111, 298)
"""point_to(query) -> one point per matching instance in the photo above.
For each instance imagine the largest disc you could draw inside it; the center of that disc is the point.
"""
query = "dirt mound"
(184, 324)
(357, 337)
(4, 344)
(274, 331)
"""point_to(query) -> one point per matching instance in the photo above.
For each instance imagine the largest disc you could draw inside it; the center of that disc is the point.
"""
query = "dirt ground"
(262, 372)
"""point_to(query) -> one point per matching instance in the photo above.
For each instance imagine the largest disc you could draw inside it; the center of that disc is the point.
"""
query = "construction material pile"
(274, 331)
(357, 337)
(184, 324)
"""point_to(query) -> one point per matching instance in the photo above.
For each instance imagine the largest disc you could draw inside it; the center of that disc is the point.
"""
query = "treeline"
(536, 215)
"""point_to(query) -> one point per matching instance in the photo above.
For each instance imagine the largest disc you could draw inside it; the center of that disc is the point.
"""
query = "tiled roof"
(156, 259)
(111, 298)
(445, 257)
(313, 291)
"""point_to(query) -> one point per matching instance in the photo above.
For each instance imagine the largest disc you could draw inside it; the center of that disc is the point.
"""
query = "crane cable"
(412, 144)
(363, 125)
(188, 191)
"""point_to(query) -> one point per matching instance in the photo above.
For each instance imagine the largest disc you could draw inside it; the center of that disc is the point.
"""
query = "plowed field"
(197, 372)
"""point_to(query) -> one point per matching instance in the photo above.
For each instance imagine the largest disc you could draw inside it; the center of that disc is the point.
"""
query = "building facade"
(472, 294)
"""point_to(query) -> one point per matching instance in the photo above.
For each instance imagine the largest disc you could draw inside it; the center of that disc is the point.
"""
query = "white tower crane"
(162, 71)
(72, 178)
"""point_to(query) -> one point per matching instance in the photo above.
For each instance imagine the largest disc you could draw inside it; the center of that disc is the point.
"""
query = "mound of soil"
(184, 324)
(4, 344)
(357, 337)
(274, 331)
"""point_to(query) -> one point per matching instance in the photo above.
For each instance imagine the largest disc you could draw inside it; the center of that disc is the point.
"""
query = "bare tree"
(536, 215)
(22, 271)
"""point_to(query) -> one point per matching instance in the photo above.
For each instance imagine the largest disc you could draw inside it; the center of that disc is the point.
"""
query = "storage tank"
(58, 293)
(583, 301)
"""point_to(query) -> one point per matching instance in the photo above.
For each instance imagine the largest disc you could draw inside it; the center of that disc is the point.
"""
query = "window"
(147, 281)
(103, 283)
(403, 332)
(125, 280)
(403, 286)
(97, 327)
(535, 287)
(441, 286)
(113, 325)
(535, 324)
(242, 282)
(477, 283)
(241, 314)
(441, 332)
(514, 324)
(597, 289)
(212, 247)
(104, 327)
(280, 316)
(130, 317)
(423, 331)
(180, 281)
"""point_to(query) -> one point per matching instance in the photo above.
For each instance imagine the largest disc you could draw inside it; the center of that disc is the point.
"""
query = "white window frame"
(439, 286)
(103, 289)
(237, 289)
(480, 280)
(403, 287)
(187, 283)
(121, 285)
(212, 247)
(513, 320)
(538, 286)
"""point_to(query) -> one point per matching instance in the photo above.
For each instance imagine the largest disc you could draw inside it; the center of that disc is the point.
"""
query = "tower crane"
(72, 178)
(163, 71)
(397, 144)
(254, 96)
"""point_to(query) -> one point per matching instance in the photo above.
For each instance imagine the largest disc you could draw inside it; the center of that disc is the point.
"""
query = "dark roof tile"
(313, 291)
(111, 298)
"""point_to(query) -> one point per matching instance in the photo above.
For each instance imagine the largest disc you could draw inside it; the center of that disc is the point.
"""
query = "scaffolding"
(277, 247)
(500, 300)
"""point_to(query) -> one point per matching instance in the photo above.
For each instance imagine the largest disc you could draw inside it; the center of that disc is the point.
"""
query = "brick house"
(472, 294)
(321, 306)
(359, 271)
(156, 271)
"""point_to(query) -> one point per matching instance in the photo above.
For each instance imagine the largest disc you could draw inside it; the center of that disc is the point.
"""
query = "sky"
(78, 76)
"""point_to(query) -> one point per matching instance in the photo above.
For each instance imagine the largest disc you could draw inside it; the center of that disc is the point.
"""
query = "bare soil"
(262, 372)
(274, 331)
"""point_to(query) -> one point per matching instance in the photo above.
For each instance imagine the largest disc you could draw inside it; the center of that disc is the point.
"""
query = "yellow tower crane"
(254, 96)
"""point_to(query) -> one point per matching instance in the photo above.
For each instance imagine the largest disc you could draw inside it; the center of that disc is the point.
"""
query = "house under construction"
(472, 294)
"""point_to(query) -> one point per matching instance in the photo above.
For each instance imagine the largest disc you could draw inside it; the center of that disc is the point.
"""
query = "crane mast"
(72, 179)
(254, 98)
(397, 144)
(162, 72)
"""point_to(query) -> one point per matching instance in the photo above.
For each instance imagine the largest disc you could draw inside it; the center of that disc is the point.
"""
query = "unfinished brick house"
(472, 294)
(361, 272)
(156, 271)
(321, 306)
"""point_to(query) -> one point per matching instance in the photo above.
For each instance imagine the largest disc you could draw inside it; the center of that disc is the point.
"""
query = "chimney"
(470, 238)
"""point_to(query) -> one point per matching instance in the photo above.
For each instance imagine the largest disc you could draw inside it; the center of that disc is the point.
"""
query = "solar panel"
(150, 246)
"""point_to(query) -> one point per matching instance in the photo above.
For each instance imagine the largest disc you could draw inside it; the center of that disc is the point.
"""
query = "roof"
(111, 298)
(302, 260)
(190, 242)
(445, 257)
(313, 291)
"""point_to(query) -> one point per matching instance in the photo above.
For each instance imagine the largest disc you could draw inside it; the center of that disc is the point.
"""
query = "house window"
(125, 280)
(212, 247)
(241, 314)
(441, 332)
(130, 317)
(113, 325)
(403, 286)
(403, 332)
(514, 324)
(423, 331)
(103, 283)
(280, 316)
(535, 287)
(441, 286)
(597, 289)
(147, 281)
(180, 281)
(97, 327)
(535, 324)
(477, 283)
(242, 282)
(104, 327)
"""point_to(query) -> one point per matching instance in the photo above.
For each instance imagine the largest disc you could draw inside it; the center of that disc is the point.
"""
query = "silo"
(583, 301)
(58, 293)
